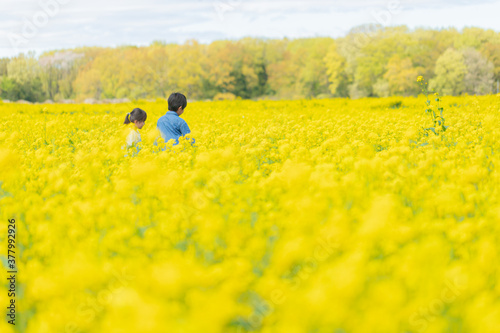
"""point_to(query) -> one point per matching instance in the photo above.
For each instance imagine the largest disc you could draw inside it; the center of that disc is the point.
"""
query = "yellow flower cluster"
(286, 216)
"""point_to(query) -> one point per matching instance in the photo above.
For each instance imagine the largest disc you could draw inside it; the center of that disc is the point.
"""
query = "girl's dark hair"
(177, 100)
(136, 114)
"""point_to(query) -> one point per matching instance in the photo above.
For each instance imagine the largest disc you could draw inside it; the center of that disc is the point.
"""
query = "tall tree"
(3, 66)
(480, 73)
(23, 73)
(302, 71)
(58, 71)
(371, 60)
(335, 68)
(187, 70)
(426, 46)
(475, 38)
(401, 76)
(492, 53)
(371, 63)
(450, 73)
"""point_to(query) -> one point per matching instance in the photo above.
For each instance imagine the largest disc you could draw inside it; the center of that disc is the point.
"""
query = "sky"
(42, 25)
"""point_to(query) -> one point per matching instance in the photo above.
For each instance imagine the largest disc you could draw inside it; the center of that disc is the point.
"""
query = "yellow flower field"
(316, 216)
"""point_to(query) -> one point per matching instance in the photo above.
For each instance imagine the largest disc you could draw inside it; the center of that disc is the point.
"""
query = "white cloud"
(118, 22)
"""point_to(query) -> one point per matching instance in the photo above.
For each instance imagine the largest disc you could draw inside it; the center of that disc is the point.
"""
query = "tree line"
(369, 61)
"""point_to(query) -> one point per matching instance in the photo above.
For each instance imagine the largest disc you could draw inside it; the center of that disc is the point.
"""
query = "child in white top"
(138, 118)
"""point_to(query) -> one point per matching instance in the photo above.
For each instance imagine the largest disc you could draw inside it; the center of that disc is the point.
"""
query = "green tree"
(187, 70)
(218, 68)
(302, 71)
(492, 53)
(335, 69)
(372, 59)
(475, 38)
(58, 71)
(24, 68)
(23, 73)
(158, 57)
(426, 46)
(3, 66)
(450, 73)
(479, 77)
(9, 89)
(401, 76)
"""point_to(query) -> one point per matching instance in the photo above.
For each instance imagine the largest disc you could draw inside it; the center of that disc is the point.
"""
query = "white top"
(133, 138)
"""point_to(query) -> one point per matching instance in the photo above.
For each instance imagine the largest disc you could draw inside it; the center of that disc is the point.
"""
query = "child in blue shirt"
(171, 125)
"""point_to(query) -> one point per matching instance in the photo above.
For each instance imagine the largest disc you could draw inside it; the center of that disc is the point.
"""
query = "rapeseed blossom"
(291, 216)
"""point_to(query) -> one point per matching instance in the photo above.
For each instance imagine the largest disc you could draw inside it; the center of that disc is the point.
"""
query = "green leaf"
(432, 129)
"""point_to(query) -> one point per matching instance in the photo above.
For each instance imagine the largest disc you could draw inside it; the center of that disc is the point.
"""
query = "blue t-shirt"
(172, 126)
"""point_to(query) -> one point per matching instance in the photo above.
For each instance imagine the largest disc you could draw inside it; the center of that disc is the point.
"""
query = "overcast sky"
(25, 25)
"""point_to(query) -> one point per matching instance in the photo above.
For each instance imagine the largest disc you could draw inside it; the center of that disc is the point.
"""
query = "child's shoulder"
(129, 132)
(162, 118)
(133, 132)
(133, 137)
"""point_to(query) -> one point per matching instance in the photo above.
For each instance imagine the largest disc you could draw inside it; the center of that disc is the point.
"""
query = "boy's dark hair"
(175, 101)
(136, 114)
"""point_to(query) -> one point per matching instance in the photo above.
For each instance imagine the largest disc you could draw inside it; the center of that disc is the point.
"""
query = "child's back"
(133, 138)
(171, 125)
